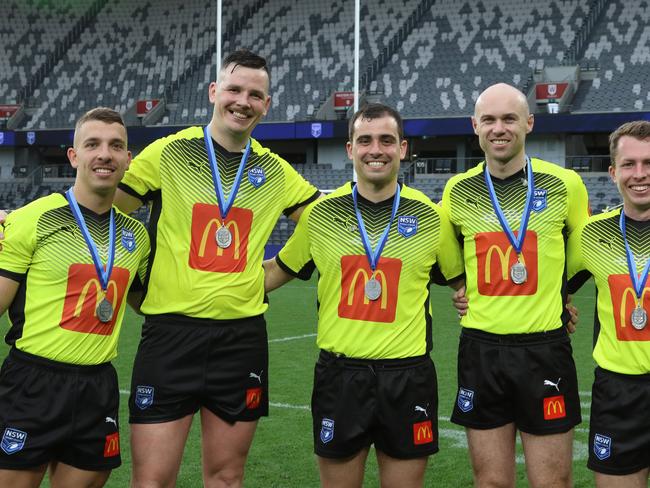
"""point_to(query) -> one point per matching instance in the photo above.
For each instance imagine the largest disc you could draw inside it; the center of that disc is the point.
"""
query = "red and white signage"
(343, 100)
(7, 111)
(143, 107)
(547, 91)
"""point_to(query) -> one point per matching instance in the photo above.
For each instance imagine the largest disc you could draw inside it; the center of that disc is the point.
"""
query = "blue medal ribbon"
(637, 282)
(224, 206)
(516, 242)
(373, 256)
(103, 272)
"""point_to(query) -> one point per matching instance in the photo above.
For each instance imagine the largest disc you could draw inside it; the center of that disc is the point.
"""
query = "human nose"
(103, 152)
(375, 147)
(639, 170)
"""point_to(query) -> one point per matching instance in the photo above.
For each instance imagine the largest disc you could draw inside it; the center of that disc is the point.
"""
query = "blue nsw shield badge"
(465, 400)
(602, 446)
(327, 431)
(539, 200)
(316, 129)
(128, 240)
(256, 176)
(13, 440)
(31, 138)
(407, 225)
(144, 396)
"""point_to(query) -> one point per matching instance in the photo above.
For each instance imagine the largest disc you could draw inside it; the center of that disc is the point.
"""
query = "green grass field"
(282, 456)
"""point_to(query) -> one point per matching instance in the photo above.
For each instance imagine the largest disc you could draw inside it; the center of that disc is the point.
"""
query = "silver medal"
(518, 273)
(638, 318)
(373, 289)
(105, 311)
(224, 237)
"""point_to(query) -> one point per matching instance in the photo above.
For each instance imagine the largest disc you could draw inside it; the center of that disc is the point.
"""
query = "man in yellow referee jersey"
(215, 197)
(614, 248)
(513, 213)
(374, 380)
(66, 266)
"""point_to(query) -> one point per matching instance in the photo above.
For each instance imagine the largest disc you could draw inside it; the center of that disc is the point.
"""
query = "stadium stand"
(427, 58)
(620, 46)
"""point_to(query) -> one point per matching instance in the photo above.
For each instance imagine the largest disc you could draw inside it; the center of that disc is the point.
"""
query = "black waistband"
(641, 378)
(375, 363)
(33, 360)
(178, 319)
(515, 339)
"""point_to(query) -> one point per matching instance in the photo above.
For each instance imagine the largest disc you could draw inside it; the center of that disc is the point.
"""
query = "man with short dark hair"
(614, 248)
(67, 264)
(374, 380)
(515, 366)
(216, 195)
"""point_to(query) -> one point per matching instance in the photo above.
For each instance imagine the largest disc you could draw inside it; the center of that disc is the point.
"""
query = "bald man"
(513, 214)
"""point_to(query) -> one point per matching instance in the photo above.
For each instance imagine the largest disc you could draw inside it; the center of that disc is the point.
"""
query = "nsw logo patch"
(128, 240)
(539, 200)
(144, 396)
(602, 446)
(256, 176)
(407, 225)
(465, 400)
(13, 440)
(326, 430)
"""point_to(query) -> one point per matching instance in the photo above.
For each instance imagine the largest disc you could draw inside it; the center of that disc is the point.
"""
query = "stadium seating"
(620, 45)
(435, 66)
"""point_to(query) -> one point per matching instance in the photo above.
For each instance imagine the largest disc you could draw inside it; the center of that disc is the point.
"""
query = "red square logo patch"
(422, 433)
(112, 446)
(83, 295)
(554, 407)
(253, 398)
(205, 254)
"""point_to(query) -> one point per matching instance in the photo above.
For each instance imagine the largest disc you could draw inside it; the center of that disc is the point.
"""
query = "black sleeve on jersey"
(436, 276)
(17, 277)
(304, 274)
(136, 285)
(150, 195)
(292, 209)
(577, 281)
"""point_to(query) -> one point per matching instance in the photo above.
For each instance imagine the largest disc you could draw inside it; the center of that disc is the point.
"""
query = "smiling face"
(100, 156)
(241, 98)
(631, 173)
(501, 121)
(376, 150)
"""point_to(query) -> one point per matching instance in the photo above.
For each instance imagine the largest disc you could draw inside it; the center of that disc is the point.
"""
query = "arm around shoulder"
(274, 275)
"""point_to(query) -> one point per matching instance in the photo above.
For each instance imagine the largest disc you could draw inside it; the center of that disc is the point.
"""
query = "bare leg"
(157, 450)
(492, 453)
(549, 459)
(401, 473)
(225, 449)
(343, 473)
(63, 476)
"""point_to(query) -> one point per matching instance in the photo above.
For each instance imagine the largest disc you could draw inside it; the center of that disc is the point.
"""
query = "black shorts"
(51, 411)
(619, 428)
(528, 379)
(183, 364)
(392, 403)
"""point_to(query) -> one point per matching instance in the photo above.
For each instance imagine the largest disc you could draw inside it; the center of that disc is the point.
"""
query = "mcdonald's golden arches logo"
(253, 398)
(624, 301)
(205, 255)
(112, 445)
(83, 295)
(495, 256)
(554, 407)
(422, 432)
(355, 273)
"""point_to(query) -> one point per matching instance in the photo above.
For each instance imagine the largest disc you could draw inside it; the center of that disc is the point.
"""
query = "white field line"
(292, 338)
